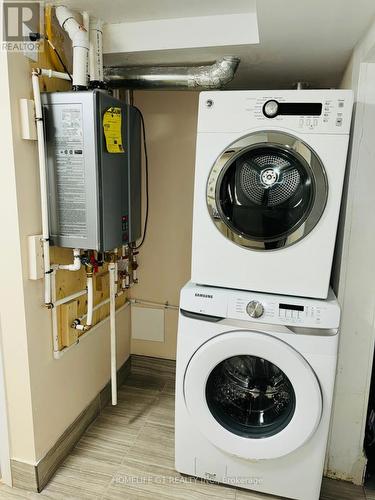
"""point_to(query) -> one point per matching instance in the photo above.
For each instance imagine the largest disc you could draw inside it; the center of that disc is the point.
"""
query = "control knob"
(271, 108)
(255, 309)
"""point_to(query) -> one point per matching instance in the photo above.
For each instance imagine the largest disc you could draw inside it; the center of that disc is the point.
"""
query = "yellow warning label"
(112, 130)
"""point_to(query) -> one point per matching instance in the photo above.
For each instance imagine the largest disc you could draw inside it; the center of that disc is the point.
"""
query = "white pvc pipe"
(43, 188)
(55, 332)
(112, 319)
(95, 308)
(68, 298)
(80, 41)
(76, 266)
(96, 50)
(54, 74)
(90, 300)
(85, 20)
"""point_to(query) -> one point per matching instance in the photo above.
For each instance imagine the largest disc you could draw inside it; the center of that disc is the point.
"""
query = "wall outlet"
(36, 264)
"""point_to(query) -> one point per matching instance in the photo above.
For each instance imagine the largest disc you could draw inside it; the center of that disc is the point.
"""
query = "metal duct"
(212, 76)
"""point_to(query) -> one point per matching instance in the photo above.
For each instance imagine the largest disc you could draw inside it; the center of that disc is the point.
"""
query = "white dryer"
(268, 182)
(254, 384)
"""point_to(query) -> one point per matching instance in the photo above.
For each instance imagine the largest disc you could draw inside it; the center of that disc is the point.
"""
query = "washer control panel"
(261, 307)
(279, 311)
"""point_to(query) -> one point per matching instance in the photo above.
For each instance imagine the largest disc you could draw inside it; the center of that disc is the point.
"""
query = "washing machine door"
(252, 395)
(267, 191)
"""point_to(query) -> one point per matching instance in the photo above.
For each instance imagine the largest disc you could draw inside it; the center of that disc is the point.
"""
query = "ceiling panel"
(309, 40)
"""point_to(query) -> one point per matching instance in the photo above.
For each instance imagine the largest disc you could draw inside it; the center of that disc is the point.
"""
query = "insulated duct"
(212, 76)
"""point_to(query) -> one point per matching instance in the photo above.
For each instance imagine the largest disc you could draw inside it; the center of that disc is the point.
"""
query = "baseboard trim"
(35, 477)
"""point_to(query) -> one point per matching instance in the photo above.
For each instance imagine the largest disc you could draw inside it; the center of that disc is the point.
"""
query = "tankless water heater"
(93, 148)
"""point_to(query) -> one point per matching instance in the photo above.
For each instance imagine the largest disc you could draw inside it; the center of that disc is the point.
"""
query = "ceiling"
(300, 40)
(148, 10)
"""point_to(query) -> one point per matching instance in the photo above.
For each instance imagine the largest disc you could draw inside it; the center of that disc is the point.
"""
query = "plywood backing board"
(69, 282)
(68, 313)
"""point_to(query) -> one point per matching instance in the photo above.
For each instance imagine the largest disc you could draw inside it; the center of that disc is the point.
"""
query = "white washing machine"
(254, 385)
(268, 182)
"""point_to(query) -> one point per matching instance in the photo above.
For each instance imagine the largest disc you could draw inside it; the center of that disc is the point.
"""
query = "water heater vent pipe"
(96, 53)
(80, 40)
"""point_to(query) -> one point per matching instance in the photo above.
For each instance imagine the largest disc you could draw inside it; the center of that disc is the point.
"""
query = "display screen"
(291, 307)
(300, 108)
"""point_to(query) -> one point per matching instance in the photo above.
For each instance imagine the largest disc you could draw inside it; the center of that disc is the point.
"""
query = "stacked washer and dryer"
(258, 325)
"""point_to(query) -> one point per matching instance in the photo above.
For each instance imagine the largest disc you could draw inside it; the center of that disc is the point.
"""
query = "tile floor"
(135, 440)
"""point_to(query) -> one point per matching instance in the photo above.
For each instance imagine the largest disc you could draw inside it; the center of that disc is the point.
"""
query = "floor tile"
(169, 387)
(370, 494)
(7, 493)
(100, 449)
(86, 462)
(153, 366)
(154, 446)
(162, 411)
(153, 382)
(76, 484)
(341, 490)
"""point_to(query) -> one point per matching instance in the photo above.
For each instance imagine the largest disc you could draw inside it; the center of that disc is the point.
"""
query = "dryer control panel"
(304, 111)
(261, 307)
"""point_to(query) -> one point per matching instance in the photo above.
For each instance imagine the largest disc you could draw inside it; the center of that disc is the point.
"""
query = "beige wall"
(13, 318)
(171, 121)
(354, 275)
(44, 395)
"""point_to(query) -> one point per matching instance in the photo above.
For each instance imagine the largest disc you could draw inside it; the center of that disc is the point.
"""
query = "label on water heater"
(112, 130)
(70, 173)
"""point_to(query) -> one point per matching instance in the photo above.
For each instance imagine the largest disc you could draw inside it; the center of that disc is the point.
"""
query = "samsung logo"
(204, 295)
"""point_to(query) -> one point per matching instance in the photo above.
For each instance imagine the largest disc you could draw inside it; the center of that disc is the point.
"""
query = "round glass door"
(250, 396)
(267, 191)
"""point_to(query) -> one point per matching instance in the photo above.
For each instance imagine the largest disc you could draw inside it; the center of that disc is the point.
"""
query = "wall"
(13, 318)
(354, 275)
(44, 395)
(171, 120)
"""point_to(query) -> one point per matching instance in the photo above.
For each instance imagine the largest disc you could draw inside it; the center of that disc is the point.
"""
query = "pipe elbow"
(217, 75)
(76, 31)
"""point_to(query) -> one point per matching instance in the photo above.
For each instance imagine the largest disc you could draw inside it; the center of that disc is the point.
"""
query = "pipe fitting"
(75, 323)
(76, 266)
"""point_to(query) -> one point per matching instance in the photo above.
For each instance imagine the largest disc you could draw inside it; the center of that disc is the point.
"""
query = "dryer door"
(268, 190)
(252, 395)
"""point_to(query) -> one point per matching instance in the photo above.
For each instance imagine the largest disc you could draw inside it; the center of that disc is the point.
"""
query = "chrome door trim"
(281, 140)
